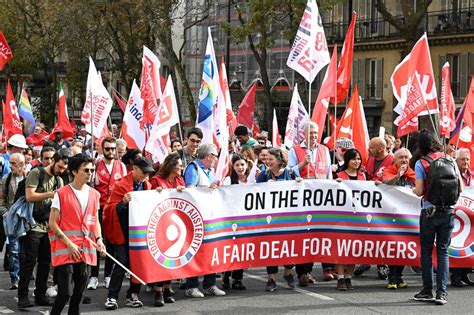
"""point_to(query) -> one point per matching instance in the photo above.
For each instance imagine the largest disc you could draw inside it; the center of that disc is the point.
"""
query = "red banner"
(5, 51)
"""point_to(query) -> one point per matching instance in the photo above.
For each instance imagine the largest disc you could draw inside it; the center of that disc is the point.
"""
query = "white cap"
(18, 141)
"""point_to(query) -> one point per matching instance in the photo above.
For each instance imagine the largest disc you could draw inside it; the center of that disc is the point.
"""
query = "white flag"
(98, 103)
(131, 129)
(166, 117)
(309, 53)
(297, 118)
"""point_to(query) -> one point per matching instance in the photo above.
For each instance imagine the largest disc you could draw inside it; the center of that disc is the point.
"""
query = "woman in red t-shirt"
(168, 177)
(350, 171)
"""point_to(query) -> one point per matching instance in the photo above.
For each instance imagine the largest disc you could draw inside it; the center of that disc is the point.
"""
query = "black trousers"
(109, 263)
(274, 269)
(72, 281)
(302, 269)
(236, 274)
(36, 249)
(395, 273)
(122, 255)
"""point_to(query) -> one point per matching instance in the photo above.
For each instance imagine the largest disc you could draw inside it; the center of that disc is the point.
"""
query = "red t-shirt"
(158, 181)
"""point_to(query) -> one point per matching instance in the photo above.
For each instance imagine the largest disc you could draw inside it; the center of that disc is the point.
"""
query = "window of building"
(374, 73)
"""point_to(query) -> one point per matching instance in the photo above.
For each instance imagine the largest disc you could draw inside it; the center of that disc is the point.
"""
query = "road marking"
(299, 290)
(5, 310)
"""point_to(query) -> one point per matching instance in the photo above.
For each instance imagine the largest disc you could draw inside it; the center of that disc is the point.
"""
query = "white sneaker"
(111, 304)
(214, 290)
(194, 293)
(133, 301)
(106, 282)
(93, 282)
(51, 292)
(127, 275)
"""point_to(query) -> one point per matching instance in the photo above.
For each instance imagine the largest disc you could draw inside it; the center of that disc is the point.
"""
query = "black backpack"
(443, 182)
(40, 213)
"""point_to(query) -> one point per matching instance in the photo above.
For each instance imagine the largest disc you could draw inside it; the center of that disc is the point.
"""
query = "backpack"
(40, 212)
(442, 189)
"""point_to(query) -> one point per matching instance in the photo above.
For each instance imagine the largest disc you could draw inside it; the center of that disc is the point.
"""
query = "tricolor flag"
(26, 112)
(131, 126)
(208, 93)
(63, 123)
(309, 53)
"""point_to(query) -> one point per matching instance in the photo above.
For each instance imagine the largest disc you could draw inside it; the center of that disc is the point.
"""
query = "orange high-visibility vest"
(105, 181)
(320, 171)
(75, 225)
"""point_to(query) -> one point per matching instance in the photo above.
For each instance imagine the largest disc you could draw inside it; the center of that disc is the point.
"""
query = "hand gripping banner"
(201, 231)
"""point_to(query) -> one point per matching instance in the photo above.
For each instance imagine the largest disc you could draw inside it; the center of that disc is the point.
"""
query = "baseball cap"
(18, 141)
(144, 164)
(344, 143)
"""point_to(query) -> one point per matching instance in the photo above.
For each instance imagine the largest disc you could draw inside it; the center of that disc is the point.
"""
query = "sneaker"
(424, 295)
(341, 284)
(106, 282)
(311, 280)
(349, 284)
(303, 280)
(441, 298)
(168, 296)
(93, 282)
(382, 272)
(271, 286)
(133, 301)
(392, 286)
(402, 284)
(238, 285)
(465, 278)
(214, 290)
(159, 300)
(24, 302)
(14, 284)
(194, 293)
(111, 304)
(328, 276)
(360, 269)
(51, 292)
(290, 280)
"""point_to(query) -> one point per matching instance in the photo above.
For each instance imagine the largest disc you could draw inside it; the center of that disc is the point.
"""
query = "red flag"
(333, 121)
(327, 90)
(446, 114)
(73, 125)
(120, 102)
(231, 119)
(469, 100)
(345, 63)
(245, 115)
(353, 125)
(149, 95)
(409, 127)
(11, 120)
(256, 129)
(417, 61)
(415, 102)
(5, 51)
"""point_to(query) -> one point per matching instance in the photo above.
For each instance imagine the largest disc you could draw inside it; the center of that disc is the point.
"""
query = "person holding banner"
(115, 224)
(168, 177)
(351, 170)
(239, 174)
(200, 173)
(277, 171)
(437, 216)
(188, 153)
(74, 215)
(398, 174)
(311, 161)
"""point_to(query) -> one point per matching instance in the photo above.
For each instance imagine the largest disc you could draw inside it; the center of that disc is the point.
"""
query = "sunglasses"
(89, 170)
(110, 149)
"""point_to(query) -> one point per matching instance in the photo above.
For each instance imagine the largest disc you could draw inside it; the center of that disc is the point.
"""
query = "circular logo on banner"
(462, 240)
(175, 232)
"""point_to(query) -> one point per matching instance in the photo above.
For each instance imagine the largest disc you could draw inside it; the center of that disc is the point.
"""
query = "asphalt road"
(369, 297)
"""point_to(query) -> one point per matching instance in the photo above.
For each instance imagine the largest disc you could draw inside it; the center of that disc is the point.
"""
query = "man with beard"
(41, 184)
(108, 171)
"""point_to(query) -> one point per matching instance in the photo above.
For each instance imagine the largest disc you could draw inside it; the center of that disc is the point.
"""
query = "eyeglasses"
(109, 149)
(89, 170)
(195, 140)
(214, 155)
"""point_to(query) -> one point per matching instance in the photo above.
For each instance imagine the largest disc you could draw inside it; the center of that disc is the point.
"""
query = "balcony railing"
(434, 23)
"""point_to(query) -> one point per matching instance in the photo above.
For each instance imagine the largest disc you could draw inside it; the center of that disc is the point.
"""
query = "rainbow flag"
(26, 112)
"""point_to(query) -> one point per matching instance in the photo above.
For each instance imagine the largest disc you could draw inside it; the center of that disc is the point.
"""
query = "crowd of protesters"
(47, 179)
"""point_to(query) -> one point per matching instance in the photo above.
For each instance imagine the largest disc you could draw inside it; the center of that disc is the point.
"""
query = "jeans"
(122, 255)
(14, 257)
(209, 281)
(72, 280)
(438, 227)
(35, 246)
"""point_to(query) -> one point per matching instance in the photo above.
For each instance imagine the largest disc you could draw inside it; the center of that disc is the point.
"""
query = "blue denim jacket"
(19, 218)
